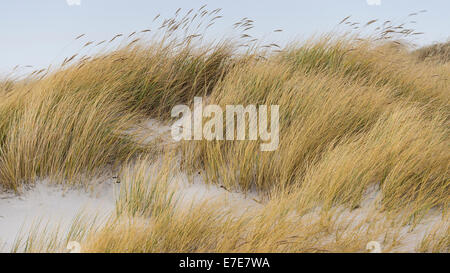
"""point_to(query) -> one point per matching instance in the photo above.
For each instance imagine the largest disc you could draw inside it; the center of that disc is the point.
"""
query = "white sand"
(49, 203)
(197, 191)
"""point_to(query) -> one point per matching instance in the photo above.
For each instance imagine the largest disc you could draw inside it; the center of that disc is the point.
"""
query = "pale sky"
(41, 32)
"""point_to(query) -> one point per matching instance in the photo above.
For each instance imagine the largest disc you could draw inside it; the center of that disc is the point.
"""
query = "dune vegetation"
(438, 52)
(363, 155)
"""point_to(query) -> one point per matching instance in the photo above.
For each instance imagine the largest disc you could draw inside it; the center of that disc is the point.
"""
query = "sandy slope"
(52, 205)
(55, 205)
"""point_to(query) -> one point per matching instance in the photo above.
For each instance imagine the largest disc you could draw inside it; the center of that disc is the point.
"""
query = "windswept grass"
(438, 52)
(72, 120)
(368, 105)
(63, 135)
(145, 189)
(356, 113)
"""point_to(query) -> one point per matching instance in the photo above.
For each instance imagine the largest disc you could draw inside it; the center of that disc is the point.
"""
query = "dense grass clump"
(334, 102)
(71, 121)
(439, 52)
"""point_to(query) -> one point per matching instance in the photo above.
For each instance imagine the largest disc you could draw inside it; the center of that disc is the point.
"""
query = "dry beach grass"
(363, 155)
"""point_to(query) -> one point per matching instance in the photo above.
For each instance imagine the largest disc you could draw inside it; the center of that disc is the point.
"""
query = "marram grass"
(355, 113)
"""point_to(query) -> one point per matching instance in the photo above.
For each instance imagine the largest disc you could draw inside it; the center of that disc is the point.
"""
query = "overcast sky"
(40, 32)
